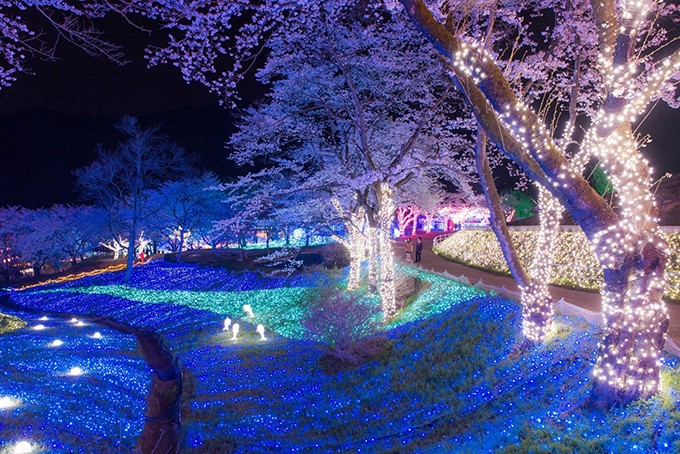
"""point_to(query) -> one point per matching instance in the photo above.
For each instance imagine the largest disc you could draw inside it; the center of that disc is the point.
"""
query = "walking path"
(585, 300)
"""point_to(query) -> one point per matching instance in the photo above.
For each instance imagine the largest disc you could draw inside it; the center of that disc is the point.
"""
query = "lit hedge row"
(575, 264)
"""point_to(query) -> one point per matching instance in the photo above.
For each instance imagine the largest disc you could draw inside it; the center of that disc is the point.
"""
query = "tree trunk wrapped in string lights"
(627, 245)
(372, 243)
(537, 313)
(354, 222)
(387, 290)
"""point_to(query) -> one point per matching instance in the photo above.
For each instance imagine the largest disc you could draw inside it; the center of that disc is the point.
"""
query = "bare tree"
(118, 180)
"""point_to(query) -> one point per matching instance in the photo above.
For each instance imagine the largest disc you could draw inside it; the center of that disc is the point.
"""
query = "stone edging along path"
(162, 425)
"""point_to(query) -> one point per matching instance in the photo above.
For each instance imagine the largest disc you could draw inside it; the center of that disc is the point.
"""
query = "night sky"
(50, 122)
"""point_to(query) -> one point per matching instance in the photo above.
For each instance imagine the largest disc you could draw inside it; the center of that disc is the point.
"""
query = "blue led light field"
(449, 377)
(56, 408)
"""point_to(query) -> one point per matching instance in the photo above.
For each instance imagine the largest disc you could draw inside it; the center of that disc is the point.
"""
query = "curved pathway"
(583, 299)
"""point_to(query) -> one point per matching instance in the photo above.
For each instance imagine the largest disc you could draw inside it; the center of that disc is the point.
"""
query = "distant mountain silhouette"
(40, 148)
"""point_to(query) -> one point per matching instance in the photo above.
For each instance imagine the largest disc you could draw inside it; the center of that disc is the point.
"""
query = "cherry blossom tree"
(333, 121)
(77, 230)
(62, 21)
(12, 229)
(626, 76)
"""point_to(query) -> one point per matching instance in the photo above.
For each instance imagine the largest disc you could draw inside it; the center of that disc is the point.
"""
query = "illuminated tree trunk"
(387, 290)
(181, 244)
(354, 223)
(537, 312)
(629, 248)
(356, 255)
(372, 240)
(536, 300)
(634, 258)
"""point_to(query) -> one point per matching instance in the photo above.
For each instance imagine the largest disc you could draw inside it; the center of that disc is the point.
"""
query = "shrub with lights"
(574, 264)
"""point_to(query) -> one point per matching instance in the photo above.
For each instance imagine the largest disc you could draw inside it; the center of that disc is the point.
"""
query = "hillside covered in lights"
(448, 376)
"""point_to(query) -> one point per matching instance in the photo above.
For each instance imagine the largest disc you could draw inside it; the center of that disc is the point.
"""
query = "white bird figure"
(249, 310)
(227, 324)
(260, 329)
(236, 327)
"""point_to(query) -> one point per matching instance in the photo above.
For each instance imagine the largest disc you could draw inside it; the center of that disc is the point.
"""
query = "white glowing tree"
(333, 121)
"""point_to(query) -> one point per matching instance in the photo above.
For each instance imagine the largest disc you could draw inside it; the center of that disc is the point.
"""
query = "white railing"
(438, 239)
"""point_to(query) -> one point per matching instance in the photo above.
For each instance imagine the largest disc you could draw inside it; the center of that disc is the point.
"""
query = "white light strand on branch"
(387, 290)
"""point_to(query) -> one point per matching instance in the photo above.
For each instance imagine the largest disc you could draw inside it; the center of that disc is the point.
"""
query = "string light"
(75, 277)
(537, 311)
(354, 224)
(110, 400)
(387, 290)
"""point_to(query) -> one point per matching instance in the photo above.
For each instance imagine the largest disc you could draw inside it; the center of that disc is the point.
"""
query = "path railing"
(438, 239)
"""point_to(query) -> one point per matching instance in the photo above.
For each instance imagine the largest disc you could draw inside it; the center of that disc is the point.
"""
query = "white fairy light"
(97, 335)
(56, 343)
(354, 222)
(387, 291)
(39, 327)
